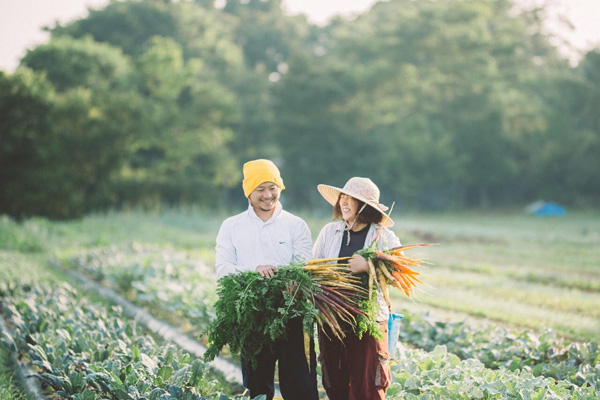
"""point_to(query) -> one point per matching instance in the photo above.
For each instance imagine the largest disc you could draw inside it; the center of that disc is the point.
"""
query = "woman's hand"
(357, 265)
(267, 271)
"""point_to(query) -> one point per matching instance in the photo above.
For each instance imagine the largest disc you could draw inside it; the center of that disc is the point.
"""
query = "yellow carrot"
(371, 276)
(383, 286)
(385, 271)
(307, 348)
(325, 260)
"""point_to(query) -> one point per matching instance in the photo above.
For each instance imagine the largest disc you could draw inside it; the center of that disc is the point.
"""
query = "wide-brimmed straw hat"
(362, 189)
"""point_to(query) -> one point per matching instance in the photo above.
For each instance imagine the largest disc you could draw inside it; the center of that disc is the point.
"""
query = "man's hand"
(267, 271)
(357, 264)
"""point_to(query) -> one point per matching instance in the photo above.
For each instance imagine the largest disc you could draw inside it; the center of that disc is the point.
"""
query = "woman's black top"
(357, 242)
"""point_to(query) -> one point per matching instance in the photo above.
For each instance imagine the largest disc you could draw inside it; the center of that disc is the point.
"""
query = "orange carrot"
(383, 256)
(406, 260)
(400, 280)
(396, 283)
(400, 249)
(404, 269)
(414, 278)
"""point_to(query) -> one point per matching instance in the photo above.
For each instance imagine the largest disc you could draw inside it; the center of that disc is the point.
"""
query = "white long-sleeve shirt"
(245, 241)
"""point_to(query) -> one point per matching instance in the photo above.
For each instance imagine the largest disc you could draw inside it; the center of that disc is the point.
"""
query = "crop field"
(510, 309)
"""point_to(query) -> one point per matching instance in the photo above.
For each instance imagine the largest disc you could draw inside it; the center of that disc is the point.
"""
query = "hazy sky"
(21, 21)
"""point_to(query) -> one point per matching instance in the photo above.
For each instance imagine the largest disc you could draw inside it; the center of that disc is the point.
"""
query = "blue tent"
(545, 209)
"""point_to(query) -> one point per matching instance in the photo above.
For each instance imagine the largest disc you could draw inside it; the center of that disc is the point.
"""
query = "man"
(260, 239)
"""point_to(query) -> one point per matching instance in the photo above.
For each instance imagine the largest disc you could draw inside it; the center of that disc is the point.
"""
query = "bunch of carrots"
(337, 295)
(387, 267)
(392, 267)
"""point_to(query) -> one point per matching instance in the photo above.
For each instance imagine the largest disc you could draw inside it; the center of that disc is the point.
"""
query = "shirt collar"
(341, 226)
(252, 213)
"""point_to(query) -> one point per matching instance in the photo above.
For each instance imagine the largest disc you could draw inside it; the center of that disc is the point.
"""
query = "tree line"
(444, 104)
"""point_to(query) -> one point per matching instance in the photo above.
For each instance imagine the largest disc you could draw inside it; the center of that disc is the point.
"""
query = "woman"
(353, 368)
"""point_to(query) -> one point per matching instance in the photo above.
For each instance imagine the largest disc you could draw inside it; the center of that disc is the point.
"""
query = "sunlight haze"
(22, 21)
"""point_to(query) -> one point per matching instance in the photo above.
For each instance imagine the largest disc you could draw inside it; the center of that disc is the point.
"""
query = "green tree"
(69, 62)
(132, 25)
(127, 25)
(26, 105)
(238, 6)
(564, 166)
(91, 117)
(319, 124)
(435, 84)
(268, 39)
(267, 36)
(442, 104)
(187, 70)
(183, 155)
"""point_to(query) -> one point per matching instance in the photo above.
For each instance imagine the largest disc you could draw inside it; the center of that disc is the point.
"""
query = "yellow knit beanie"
(257, 172)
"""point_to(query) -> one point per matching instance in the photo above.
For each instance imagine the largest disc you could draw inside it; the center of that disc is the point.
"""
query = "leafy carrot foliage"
(253, 312)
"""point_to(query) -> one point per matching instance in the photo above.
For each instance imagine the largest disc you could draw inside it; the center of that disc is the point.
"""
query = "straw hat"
(362, 189)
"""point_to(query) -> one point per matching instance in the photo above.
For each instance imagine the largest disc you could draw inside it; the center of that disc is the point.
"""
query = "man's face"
(265, 196)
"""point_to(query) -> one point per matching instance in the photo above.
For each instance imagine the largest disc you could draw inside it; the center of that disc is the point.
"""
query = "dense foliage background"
(444, 104)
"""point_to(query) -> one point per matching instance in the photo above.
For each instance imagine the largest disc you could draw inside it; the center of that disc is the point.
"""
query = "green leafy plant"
(541, 353)
(252, 312)
(166, 281)
(442, 375)
(82, 351)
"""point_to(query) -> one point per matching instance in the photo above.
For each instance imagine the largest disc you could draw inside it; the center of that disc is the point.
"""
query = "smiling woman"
(356, 366)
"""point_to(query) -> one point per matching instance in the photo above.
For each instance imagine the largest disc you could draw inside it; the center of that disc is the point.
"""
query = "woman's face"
(348, 207)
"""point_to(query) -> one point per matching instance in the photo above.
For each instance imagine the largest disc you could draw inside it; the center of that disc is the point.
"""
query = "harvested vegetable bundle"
(386, 267)
(392, 267)
(339, 298)
(253, 312)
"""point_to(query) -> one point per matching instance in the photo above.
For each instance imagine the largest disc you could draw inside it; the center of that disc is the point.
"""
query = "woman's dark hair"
(366, 216)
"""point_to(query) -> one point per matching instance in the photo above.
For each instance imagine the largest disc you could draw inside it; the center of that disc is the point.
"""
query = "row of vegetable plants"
(83, 351)
(175, 286)
(86, 351)
(439, 374)
(174, 282)
(9, 379)
(541, 353)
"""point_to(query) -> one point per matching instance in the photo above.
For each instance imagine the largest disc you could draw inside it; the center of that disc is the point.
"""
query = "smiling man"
(261, 239)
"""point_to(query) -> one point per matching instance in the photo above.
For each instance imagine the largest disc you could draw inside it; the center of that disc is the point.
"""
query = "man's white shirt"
(245, 241)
